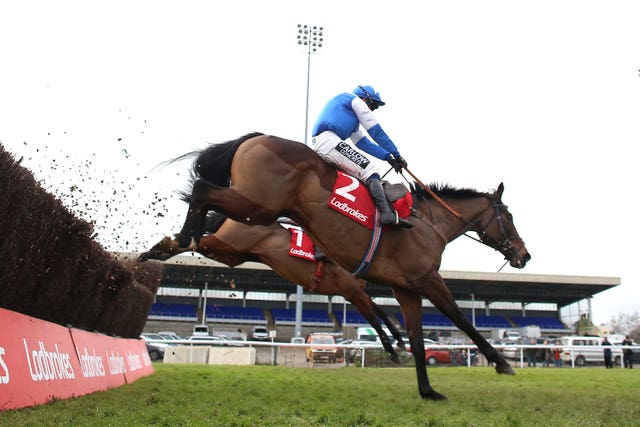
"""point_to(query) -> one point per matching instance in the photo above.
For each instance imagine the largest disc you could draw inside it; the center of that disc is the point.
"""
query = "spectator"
(473, 354)
(627, 356)
(531, 353)
(547, 356)
(557, 358)
(607, 353)
(454, 357)
(463, 357)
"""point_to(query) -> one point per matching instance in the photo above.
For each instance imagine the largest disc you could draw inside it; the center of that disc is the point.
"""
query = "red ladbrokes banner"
(41, 361)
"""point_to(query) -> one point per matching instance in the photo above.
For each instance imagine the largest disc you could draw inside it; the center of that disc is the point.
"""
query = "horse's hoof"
(395, 358)
(434, 395)
(143, 257)
(505, 368)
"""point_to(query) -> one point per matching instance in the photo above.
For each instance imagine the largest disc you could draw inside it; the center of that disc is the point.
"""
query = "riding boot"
(320, 255)
(388, 215)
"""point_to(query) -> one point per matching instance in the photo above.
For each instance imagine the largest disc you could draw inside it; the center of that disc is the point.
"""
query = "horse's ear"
(500, 190)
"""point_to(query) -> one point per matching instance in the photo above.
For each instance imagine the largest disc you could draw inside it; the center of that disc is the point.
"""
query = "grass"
(199, 395)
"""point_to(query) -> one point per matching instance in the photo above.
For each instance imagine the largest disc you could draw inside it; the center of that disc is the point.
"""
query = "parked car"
(259, 333)
(323, 349)
(155, 352)
(435, 356)
(208, 340)
(407, 345)
(509, 351)
(169, 335)
(155, 339)
(352, 354)
(200, 330)
(439, 336)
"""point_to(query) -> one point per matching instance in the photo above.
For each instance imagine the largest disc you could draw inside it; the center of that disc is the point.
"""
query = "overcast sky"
(542, 96)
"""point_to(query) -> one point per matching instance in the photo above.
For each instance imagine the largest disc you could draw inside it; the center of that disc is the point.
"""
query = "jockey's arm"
(370, 124)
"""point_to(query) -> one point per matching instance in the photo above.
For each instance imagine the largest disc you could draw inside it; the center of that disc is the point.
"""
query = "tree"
(627, 324)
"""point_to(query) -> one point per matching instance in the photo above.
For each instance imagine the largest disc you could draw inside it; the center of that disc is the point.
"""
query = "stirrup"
(400, 222)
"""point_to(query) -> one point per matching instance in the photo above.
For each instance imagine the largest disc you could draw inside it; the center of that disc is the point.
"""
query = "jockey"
(340, 120)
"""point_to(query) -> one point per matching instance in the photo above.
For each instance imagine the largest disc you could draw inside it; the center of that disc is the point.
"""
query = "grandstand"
(253, 294)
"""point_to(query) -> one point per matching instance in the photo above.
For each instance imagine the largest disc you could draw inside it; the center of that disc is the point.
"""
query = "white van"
(200, 330)
(583, 349)
(370, 334)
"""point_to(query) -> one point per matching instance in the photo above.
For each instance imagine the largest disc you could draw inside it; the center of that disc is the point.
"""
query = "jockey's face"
(373, 105)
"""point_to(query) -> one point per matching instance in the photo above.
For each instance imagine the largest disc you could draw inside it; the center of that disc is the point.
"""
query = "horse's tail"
(214, 163)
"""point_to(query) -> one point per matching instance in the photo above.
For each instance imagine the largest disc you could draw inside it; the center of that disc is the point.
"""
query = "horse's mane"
(445, 191)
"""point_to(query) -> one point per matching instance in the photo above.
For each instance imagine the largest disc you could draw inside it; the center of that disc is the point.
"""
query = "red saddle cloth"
(351, 198)
(301, 245)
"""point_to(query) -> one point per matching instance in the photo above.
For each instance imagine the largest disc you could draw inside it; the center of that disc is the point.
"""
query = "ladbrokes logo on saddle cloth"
(301, 245)
(351, 198)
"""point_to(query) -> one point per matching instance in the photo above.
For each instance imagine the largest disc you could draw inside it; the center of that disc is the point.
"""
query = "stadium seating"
(160, 309)
(491, 322)
(542, 322)
(285, 316)
(352, 318)
(431, 320)
(234, 313)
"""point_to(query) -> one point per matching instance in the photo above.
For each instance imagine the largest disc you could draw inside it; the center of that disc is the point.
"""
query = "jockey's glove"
(397, 163)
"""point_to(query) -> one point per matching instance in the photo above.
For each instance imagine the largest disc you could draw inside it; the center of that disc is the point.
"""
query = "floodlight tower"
(309, 37)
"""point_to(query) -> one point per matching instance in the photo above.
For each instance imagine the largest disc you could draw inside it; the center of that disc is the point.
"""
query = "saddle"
(394, 191)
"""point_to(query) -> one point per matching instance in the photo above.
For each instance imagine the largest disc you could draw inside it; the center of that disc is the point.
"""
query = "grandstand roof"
(189, 271)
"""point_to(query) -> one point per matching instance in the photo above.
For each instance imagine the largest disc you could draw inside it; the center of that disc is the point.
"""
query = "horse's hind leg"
(192, 228)
(205, 197)
(438, 293)
(411, 306)
(363, 303)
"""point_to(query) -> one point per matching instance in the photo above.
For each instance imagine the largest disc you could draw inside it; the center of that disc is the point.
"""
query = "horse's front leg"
(438, 293)
(411, 307)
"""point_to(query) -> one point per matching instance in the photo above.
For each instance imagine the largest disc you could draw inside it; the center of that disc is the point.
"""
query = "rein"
(435, 196)
(504, 245)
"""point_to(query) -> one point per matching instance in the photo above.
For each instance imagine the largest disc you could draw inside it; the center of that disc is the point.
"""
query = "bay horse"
(233, 243)
(257, 178)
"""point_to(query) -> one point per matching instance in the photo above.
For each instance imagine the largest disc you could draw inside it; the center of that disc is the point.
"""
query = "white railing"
(519, 349)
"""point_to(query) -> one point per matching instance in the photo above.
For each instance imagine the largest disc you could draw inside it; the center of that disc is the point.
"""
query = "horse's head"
(498, 231)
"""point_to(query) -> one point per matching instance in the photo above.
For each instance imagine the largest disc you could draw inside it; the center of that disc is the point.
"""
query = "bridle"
(504, 246)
